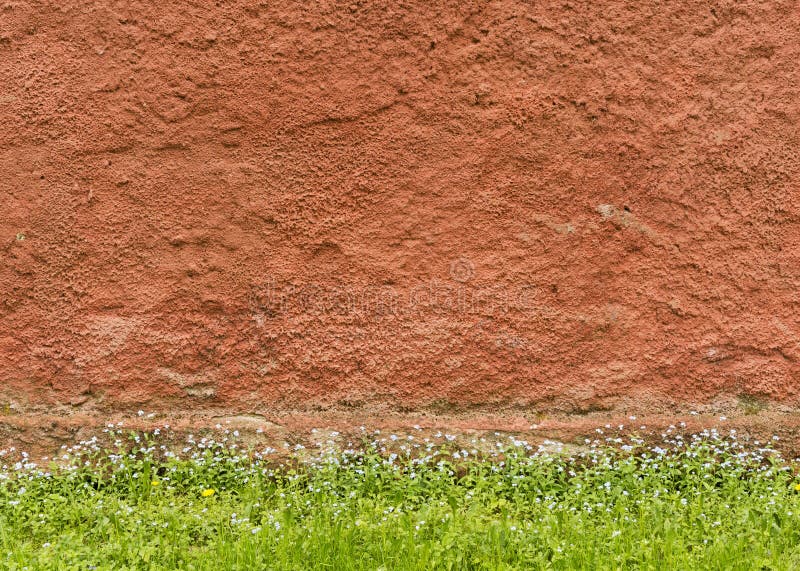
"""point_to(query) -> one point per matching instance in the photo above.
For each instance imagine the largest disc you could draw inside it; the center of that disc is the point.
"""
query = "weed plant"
(396, 502)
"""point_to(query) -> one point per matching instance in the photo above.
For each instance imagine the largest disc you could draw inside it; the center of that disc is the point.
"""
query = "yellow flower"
(155, 483)
(797, 487)
(208, 493)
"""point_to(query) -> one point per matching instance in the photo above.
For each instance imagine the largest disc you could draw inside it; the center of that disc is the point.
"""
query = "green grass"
(703, 503)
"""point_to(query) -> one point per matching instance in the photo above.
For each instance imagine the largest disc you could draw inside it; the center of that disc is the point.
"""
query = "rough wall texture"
(557, 205)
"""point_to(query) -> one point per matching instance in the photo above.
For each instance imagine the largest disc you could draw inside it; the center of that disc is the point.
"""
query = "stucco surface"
(372, 205)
